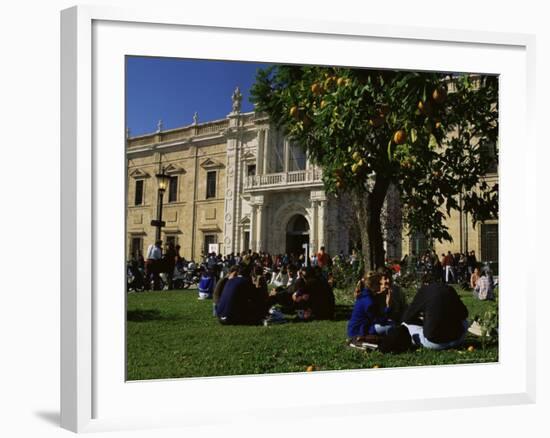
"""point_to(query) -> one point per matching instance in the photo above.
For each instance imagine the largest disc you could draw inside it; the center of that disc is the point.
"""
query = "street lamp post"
(163, 181)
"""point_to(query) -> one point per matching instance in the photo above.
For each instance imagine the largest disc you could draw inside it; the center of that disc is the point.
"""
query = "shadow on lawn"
(148, 315)
(342, 312)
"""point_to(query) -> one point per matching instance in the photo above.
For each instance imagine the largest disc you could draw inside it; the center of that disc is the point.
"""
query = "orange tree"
(428, 134)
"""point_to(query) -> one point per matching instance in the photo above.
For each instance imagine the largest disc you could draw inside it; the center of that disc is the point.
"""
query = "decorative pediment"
(209, 163)
(139, 174)
(249, 156)
(245, 220)
(173, 169)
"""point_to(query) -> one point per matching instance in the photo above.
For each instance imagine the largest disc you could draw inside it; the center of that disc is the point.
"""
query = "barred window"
(211, 185)
(138, 197)
(173, 189)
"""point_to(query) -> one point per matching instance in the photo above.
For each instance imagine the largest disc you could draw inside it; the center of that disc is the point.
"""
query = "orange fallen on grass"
(310, 368)
(471, 348)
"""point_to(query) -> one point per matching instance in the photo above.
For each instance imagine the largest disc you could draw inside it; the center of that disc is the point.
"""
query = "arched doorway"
(297, 233)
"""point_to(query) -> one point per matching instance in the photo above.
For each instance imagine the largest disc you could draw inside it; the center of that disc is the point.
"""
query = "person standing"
(152, 265)
(170, 263)
(323, 259)
(471, 262)
(448, 265)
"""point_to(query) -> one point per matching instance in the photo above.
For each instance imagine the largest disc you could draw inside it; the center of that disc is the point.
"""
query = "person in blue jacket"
(206, 285)
(367, 318)
(241, 302)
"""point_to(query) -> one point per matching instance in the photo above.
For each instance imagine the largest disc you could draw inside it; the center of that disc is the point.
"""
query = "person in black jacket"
(240, 302)
(436, 318)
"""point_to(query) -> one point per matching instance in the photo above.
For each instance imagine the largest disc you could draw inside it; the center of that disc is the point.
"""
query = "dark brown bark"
(368, 211)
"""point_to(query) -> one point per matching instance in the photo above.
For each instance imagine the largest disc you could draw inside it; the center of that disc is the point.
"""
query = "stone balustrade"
(283, 179)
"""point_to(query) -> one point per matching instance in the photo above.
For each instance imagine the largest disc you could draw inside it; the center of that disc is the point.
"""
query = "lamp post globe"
(163, 180)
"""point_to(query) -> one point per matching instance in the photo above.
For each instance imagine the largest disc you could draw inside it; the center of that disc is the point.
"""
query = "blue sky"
(173, 89)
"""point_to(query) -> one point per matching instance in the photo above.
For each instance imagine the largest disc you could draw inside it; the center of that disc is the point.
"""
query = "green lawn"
(172, 334)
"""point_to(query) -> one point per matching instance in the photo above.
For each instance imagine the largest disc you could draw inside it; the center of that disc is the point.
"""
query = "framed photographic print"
(290, 208)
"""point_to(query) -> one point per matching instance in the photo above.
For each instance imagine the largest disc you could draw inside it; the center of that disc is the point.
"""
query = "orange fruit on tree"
(294, 112)
(340, 81)
(400, 136)
(425, 107)
(356, 156)
(471, 348)
(384, 109)
(323, 103)
(439, 95)
(317, 89)
(377, 121)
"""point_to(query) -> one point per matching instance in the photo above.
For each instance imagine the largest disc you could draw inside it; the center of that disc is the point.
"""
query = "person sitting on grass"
(395, 299)
(281, 279)
(366, 318)
(218, 290)
(206, 285)
(436, 318)
(321, 298)
(483, 289)
(474, 278)
(240, 302)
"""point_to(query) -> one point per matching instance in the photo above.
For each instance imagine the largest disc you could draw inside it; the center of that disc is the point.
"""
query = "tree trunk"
(368, 211)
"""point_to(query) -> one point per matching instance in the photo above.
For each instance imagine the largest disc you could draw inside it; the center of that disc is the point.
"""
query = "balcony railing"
(283, 179)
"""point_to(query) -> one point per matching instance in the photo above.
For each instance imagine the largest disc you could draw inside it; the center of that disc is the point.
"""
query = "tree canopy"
(431, 135)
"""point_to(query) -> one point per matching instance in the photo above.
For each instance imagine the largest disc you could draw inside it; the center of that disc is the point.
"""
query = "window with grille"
(211, 185)
(489, 242)
(297, 159)
(419, 243)
(138, 197)
(136, 247)
(489, 152)
(208, 239)
(173, 189)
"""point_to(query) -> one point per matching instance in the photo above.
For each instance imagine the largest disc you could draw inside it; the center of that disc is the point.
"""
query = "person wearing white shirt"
(152, 265)
(281, 279)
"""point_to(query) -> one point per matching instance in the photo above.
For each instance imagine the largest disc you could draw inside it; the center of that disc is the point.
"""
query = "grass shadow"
(148, 315)
(342, 312)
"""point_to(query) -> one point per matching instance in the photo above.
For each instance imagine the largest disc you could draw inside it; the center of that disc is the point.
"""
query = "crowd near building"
(237, 184)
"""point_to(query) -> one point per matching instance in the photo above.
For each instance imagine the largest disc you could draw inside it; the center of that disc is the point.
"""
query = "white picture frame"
(94, 397)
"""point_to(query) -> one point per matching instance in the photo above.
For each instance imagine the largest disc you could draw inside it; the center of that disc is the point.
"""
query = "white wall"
(29, 315)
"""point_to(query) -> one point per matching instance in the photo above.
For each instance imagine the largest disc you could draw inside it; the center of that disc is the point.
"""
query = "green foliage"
(172, 334)
(424, 132)
(345, 274)
(489, 323)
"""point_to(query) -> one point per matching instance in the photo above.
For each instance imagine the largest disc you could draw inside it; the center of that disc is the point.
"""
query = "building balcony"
(284, 180)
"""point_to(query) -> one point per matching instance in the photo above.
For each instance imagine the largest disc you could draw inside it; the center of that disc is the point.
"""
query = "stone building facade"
(238, 184)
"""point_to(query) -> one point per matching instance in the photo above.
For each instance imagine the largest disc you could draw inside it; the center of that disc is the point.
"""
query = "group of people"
(451, 268)
(257, 288)
(146, 270)
(458, 268)
(435, 319)
(243, 295)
